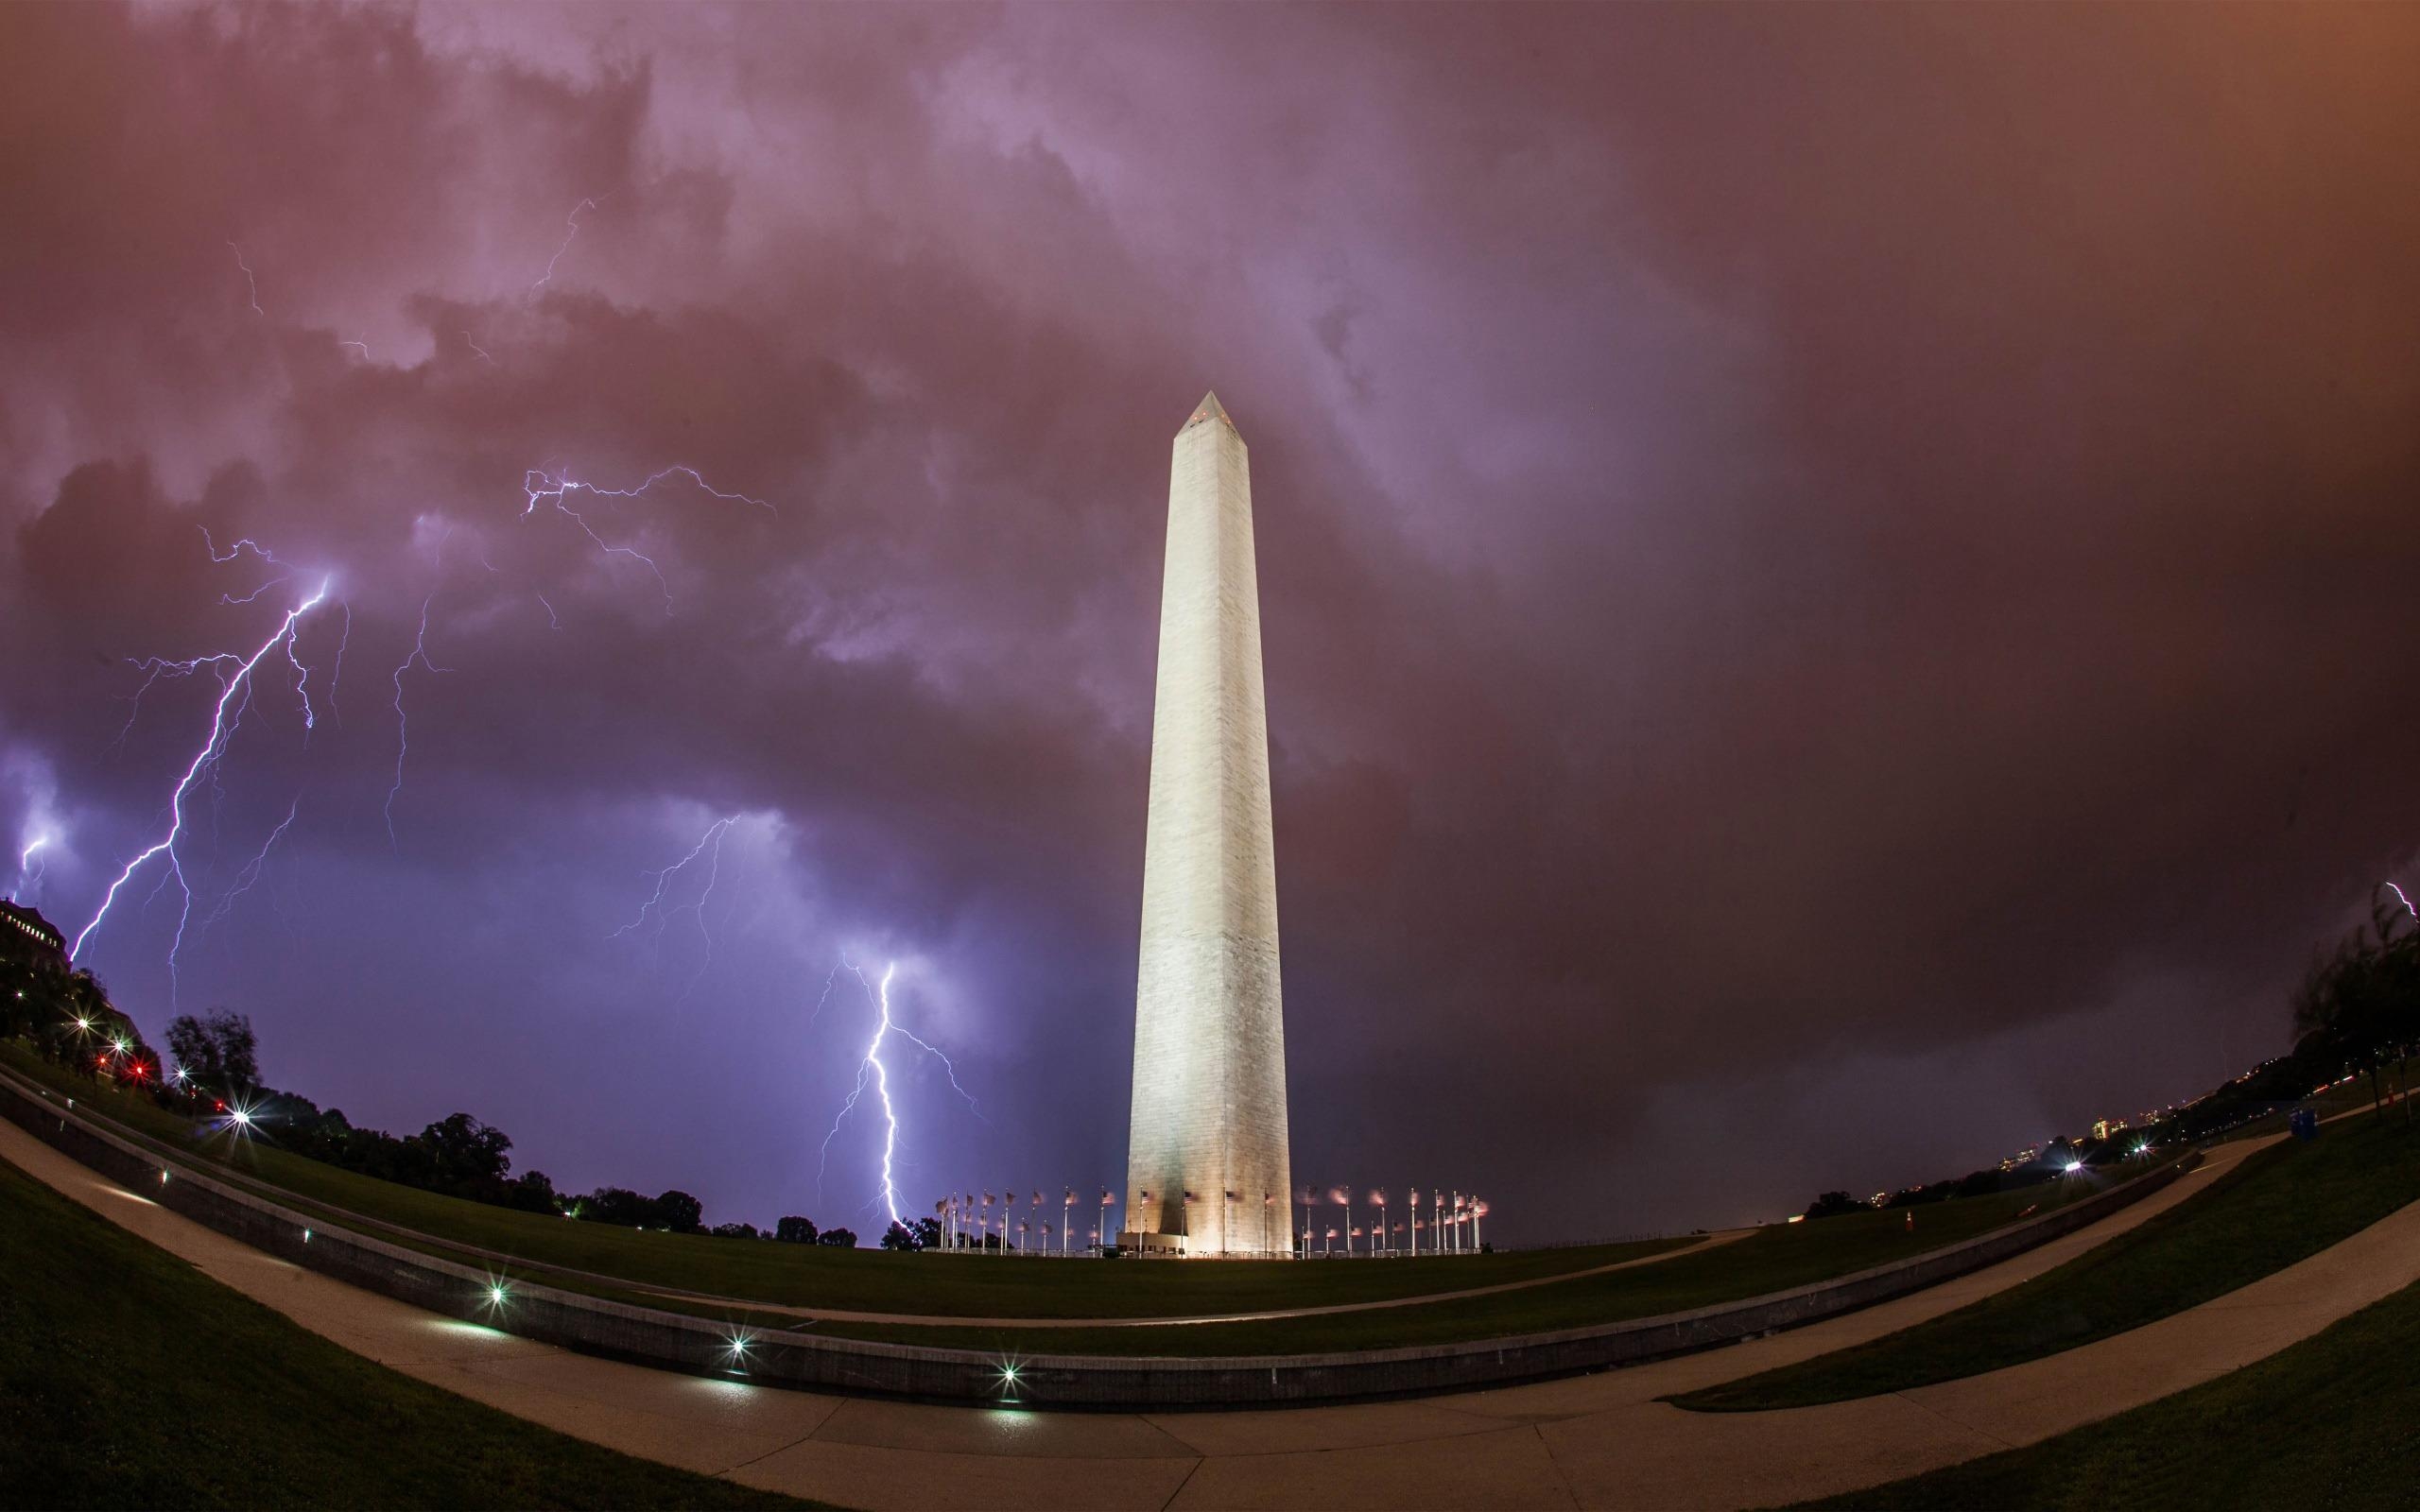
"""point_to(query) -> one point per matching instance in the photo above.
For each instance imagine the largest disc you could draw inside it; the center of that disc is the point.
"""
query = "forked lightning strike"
(233, 695)
(250, 874)
(403, 721)
(556, 488)
(872, 1066)
(710, 846)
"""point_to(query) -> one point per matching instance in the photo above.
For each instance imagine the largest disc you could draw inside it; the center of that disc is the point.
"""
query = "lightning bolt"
(710, 846)
(233, 695)
(338, 676)
(403, 721)
(871, 1067)
(241, 546)
(571, 232)
(28, 875)
(252, 872)
(229, 598)
(362, 346)
(2404, 900)
(480, 350)
(539, 485)
(250, 283)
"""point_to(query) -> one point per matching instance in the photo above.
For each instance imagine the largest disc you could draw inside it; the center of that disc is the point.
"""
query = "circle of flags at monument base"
(1435, 1222)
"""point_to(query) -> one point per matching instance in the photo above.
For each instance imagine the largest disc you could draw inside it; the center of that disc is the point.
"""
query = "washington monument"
(1206, 1152)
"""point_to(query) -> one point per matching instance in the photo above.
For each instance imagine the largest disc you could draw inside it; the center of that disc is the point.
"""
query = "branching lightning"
(403, 721)
(871, 1068)
(556, 488)
(234, 697)
(252, 872)
(710, 846)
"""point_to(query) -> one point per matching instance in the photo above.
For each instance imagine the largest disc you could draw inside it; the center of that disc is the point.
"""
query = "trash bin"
(2304, 1122)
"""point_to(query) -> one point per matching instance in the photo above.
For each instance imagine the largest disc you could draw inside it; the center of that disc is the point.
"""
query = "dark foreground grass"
(872, 1280)
(2285, 1203)
(128, 1379)
(1771, 1260)
(2331, 1424)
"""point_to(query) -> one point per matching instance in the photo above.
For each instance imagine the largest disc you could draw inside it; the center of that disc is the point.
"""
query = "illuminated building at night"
(1206, 1166)
(28, 934)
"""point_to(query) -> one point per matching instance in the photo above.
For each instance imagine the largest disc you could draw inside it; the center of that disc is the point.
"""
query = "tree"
(838, 1237)
(463, 1153)
(795, 1230)
(927, 1231)
(1833, 1204)
(681, 1213)
(535, 1192)
(220, 1050)
(897, 1236)
(2361, 1004)
(736, 1230)
(618, 1205)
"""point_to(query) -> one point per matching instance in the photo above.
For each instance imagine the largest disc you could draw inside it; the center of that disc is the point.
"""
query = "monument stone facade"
(1207, 1170)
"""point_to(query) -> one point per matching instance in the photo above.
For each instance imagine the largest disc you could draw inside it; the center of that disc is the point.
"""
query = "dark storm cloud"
(1802, 553)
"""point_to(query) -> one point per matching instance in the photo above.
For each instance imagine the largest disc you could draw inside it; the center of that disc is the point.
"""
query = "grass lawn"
(2351, 1097)
(131, 1379)
(545, 1248)
(1771, 1260)
(2332, 1423)
(964, 1285)
(2281, 1205)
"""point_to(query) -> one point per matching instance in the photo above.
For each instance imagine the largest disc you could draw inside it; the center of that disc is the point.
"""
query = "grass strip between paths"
(132, 1380)
(873, 1281)
(2331, 1424)
(1773, 1260)
(2285, 1203)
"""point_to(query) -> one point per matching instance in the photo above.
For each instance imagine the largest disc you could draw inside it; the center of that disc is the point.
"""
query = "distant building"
(26, 928)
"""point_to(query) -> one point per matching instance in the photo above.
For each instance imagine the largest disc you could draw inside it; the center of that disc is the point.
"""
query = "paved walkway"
(1594, 1441)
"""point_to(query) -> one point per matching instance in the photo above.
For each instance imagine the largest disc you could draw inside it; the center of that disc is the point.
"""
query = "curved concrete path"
(1598, 1440)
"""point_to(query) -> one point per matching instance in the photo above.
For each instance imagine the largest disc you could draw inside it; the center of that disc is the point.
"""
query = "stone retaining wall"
(680, 1341)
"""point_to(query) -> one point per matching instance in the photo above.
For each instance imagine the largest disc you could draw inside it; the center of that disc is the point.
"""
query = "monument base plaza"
(1599, 1440)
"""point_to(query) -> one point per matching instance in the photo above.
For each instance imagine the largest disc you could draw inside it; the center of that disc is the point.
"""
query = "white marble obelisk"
(1209, 1112)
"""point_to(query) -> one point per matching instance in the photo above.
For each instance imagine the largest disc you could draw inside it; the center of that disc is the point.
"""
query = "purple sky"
(1837, 583)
